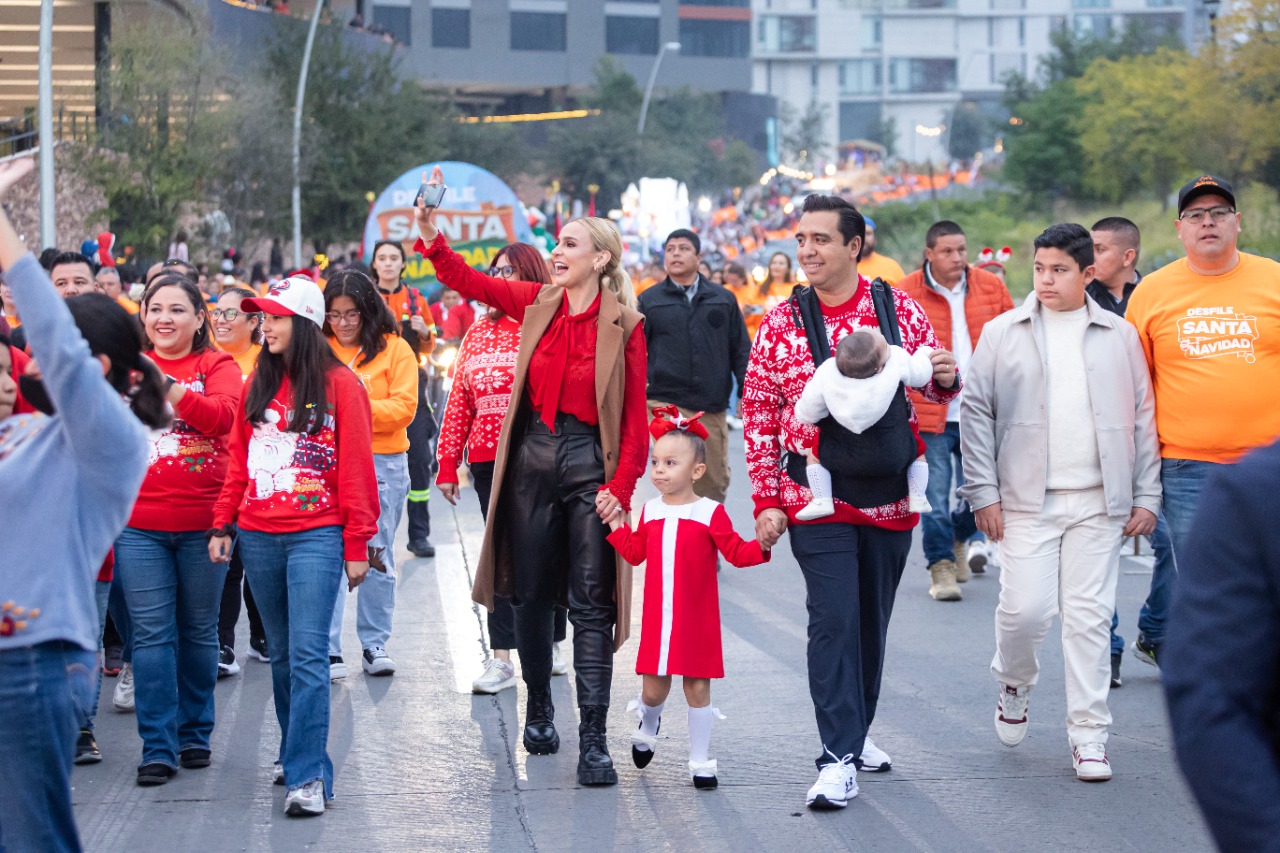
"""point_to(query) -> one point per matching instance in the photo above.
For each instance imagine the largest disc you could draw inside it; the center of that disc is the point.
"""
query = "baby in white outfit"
(856, 387)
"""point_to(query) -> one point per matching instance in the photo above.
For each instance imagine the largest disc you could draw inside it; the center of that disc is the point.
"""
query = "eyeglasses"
(1219, 214)
(227, 314)
(348, 318)
(506, 271)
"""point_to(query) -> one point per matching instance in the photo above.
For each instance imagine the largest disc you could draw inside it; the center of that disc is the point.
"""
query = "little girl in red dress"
(678, 536)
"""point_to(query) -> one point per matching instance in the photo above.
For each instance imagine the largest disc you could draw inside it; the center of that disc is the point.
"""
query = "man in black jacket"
(698, 347)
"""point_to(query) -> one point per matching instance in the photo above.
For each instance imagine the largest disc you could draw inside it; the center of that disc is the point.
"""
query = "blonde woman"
(571, 450)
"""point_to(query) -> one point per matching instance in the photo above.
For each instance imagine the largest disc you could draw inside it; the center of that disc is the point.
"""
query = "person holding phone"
(302, 495)
(571, 449)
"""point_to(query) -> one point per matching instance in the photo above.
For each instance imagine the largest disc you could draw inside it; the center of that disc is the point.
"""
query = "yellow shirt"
(391, 378)
(877, 266)
(247, 359)
(127, 304)
(1213, 345)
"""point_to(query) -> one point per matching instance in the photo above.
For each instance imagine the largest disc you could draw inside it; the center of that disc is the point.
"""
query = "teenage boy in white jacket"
(1061, 461)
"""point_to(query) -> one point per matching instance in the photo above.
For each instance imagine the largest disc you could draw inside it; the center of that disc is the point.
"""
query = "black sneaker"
(258, 649)
(194, 758)
(155, 774)
(1147, 652)
(87, 749)
(422, 548)
(1115, 668)
(337, 667)
(227, 662)
(112, 660)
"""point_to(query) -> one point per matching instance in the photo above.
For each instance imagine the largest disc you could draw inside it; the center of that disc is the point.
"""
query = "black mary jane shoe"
(642, 757)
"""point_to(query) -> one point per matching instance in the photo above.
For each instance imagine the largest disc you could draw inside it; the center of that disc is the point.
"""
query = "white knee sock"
(700, 720)
(819, 481)
(649, 718)
(918, 478)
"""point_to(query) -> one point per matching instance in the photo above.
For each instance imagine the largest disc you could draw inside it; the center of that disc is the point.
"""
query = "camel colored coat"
(614, 327)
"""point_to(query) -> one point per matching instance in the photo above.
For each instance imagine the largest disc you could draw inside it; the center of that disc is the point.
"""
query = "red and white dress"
(680, 626)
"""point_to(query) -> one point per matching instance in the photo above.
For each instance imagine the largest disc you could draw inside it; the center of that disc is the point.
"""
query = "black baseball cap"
(1205, 185)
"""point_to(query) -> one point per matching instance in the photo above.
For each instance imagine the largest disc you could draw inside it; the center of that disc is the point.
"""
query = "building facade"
(906, 65)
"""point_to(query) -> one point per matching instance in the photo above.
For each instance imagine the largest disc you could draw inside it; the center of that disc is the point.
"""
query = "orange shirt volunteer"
(391, 379)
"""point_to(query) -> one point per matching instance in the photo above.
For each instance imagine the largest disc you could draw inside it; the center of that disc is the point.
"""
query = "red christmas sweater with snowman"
(188, 461)
(285, 482)
(780, 366)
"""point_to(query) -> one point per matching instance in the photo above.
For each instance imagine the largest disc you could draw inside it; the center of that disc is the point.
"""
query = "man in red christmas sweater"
(852, 560)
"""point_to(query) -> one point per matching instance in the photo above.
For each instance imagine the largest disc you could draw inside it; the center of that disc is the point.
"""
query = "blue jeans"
(944, 527)
(41, 691)
(1155, 609)
(120, 617)
(173, 591)
(89, 708)
(1182, 481)
(294, 577)
(376, 597)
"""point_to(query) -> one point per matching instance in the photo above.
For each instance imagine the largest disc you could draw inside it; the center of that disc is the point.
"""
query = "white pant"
(1064, 559)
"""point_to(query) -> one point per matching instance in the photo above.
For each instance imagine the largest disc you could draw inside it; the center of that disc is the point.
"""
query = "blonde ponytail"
(614, 277)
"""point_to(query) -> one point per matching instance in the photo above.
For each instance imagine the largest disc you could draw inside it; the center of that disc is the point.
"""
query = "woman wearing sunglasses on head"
(572, 446)
(472, 422)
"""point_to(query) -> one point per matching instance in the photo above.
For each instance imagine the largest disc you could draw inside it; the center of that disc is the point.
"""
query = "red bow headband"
(660, 425)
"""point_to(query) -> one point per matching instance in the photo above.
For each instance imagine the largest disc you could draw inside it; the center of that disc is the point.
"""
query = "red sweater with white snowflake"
(188, 461)
(480, 395)
(776, 375)
(285, 482)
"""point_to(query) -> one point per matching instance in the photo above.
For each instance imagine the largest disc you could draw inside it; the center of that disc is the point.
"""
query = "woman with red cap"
(301, 495)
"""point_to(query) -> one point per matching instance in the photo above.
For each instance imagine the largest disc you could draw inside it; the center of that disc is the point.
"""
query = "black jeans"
(229, 614)
(559, 551)
(422, 460)
(851, 574)
(502, 621)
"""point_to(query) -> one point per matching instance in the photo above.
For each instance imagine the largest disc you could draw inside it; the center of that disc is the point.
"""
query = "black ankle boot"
(595, 767)
(540, 736)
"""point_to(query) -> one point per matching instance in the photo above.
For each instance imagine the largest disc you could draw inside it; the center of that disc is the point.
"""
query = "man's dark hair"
(684, 234)
(736, 268)
(1070, 238)
(851, 222)
(63, 259)
(857, 355)
(47, 256)
(1123, 228)
(938, 230)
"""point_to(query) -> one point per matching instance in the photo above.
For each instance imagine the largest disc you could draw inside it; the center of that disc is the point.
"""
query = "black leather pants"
(559, 550)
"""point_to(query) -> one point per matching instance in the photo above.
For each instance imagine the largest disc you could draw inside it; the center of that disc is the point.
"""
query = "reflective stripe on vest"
(418, 496)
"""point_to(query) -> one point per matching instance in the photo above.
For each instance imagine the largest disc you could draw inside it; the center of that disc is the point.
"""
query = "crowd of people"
(260, 449)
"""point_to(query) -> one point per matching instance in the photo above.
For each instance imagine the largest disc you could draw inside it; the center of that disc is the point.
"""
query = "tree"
(804, 135)
(969, 131)
(1042, 149)
(885, 131)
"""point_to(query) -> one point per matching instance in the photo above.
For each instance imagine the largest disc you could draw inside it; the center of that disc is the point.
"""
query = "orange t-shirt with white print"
(1213, 345)
(391, 379)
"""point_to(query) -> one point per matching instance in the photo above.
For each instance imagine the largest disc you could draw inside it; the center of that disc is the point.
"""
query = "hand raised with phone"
(430, 194)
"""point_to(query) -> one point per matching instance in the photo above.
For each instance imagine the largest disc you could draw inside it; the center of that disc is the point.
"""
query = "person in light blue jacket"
(63, 501)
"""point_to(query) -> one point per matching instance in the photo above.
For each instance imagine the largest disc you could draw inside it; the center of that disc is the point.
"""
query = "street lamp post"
(297, 137)
(1211, 8)
(48, 221)
(672, 46)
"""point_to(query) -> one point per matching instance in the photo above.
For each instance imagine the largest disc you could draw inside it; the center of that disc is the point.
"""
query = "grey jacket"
(1004, 418)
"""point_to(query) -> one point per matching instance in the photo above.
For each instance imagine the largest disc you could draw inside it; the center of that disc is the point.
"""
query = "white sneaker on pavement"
(980, 556)
(376, 662)
(1090, 762)
(337, 667)
(305, 800)
(122, 698)
(873, 758)
(733, 422)
(498, 675)
(817, 508)
(559, 666)
(1011, 715)
(837, 784)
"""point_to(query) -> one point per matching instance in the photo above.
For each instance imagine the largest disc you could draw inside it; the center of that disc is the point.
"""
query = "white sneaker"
(873, 758)
(919, 503)
(277, 774)
(1090, 762)
(817, 508)
(1011, 714)
(980, 556)
(376, 662)
(837, 784)
(337, 667)
(559, 666)
(123, 696)
(305, 800)
(498, 676)
(733, 422)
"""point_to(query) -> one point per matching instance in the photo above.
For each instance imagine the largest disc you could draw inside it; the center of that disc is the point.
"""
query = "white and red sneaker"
(1011, 714)
(1090, 762)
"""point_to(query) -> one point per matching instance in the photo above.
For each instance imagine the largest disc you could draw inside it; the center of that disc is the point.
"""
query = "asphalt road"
(422, 764)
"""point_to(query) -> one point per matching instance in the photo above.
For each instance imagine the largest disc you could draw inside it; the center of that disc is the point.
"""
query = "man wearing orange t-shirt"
(1210, 326)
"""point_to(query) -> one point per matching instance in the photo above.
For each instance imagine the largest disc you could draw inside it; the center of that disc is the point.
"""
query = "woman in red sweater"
(478, 401)
(572, 448)
(300, 491)
(171, 589)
